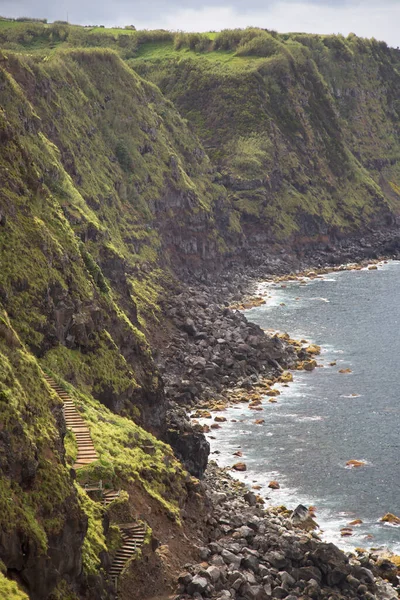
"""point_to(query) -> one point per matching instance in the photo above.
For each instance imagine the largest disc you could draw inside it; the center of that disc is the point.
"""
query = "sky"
(366, 18)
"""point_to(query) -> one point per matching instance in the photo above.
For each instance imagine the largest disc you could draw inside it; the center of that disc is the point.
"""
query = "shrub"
(231, 39)
(30, 20)
(262, 45)
(123, 156)
(198, 42)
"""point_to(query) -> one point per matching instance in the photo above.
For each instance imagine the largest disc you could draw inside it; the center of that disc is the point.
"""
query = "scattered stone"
(355, 463)
(390, 518)
(274, 485)
(313, 349)
(356, 522)
(240, 466)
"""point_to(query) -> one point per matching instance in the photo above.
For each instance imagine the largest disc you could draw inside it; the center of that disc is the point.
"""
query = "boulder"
(214, 573)
(185, 578)
(240, 466)
(251, 563)
(274, 485)
(277, 560)
(355, 464)
(390, 518)
(279, 592)
(309, 365)
(250, 498)
(246, 532)
(189, 327)
(313, 349)
(198, 585)
(231, 559)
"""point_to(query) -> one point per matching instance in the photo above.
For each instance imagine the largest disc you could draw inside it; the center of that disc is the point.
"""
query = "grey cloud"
(119, 11)
(368, 18)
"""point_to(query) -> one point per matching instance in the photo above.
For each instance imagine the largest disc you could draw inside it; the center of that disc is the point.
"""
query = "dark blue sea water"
(325, 418)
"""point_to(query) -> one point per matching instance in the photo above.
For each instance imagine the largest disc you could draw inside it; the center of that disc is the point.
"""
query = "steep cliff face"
(42, 526)
(108, 195)
(103, 189)
(363, 79)
(103, 186)
(303, 129)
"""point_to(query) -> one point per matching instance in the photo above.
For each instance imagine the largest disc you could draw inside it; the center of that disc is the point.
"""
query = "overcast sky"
(367, 18)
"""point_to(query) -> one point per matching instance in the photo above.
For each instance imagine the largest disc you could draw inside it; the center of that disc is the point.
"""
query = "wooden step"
(86, 454)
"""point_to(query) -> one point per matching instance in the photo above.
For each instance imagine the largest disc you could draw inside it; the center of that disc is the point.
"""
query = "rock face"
(277, 111)
(190, 446)
(42, 527)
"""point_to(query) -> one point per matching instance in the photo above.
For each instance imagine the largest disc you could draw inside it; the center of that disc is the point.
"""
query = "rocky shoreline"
(253, 553)
(209, 347)
(261, 554)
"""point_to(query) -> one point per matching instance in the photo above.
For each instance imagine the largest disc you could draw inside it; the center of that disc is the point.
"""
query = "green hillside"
(132, 162)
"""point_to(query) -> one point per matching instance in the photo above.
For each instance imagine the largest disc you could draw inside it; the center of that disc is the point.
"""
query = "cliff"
(303, 130)
(103, 187)
(131, 162)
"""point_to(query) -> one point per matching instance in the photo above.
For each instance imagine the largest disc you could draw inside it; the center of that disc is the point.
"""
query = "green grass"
(276, 90)
(26, 408)
(123, 456)
(9, 589)
(165, 50)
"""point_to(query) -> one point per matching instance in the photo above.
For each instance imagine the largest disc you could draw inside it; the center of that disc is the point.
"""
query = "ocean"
(325, 418)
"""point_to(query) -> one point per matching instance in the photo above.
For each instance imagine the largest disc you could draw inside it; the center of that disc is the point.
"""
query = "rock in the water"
(274, 485)
(390, 518)
(309, 365)
(240, 466)
(355, 463)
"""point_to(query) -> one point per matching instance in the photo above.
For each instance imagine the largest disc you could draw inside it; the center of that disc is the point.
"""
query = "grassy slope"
(10, 591)
(105, 184)
(104, 187)
(288, 138)
(364, 80)
(38, 500)
(295, 137)
(95, 178)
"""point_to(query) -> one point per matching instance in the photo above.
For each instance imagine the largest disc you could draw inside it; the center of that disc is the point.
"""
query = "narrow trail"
(133, 538)
(133, 534)
(86, 450)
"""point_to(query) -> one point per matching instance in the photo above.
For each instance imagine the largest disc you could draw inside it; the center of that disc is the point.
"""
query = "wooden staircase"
(109, 496)
(133, 538)
(133, 534)
(86, 450)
